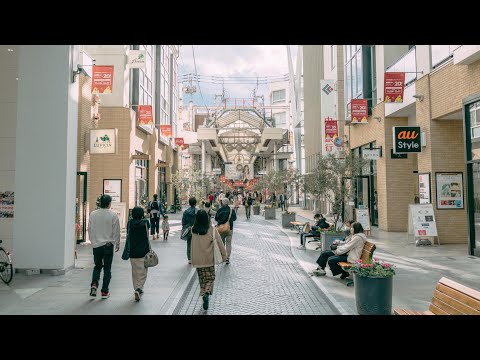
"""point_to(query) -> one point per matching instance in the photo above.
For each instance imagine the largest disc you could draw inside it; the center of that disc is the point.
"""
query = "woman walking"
(203, 235)
(137, 233)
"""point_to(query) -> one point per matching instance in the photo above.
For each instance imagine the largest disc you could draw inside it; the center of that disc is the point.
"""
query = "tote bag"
(217, 255)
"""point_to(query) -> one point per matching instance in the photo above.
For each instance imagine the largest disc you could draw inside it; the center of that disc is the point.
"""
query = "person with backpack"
(155, 209)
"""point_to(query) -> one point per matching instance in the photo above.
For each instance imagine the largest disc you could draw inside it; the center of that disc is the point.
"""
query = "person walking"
(155, 209)
(221, 217)
(104, 234)
(188, 218)
(137, 233)
(236, 202)
(165, 227)
(282, 201)
(248, 205)
(203, 236)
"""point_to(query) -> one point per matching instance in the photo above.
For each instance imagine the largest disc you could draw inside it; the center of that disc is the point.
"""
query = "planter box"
(373, 295)
(256, 210)
(270, 213)
(328, 238)
(286, 219)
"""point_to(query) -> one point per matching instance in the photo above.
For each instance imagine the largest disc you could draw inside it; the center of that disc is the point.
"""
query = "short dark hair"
(318, 216)
(165, 216)
(357, 228)
(105, 200)
(207, 204)
(138, 212)
(155, 196)
(192, 201)
(202, 223)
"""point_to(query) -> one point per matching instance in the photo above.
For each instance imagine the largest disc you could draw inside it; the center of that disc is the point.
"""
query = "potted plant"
(287, 218)
(373, 287)
(256, 209)
(270, 212)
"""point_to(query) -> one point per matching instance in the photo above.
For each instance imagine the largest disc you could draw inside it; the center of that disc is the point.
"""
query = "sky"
(229, 61)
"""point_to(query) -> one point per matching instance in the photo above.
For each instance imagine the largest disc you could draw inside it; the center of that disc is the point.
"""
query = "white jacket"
(103, 227)
(353, 245)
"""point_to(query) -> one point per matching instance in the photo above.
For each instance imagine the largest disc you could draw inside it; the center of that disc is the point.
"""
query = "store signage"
(103, 141)
(359, 111)
(372, 154)
(102, 79)
(421, 220)
(166, 130)
(398, 156)
(424, 188)
(179, 141)
(394, 85)
(239, 183)
(331, 133)
(113, 188)
(328, 114)
(145, 115)
(120, 209)
(136, 59)
(406, 139)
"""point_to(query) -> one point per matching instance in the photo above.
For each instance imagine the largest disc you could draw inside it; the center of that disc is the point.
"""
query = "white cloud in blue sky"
(232, 60)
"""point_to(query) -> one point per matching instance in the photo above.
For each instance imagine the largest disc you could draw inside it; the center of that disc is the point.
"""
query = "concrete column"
(46, 158)
(204, 154)
(275, 166)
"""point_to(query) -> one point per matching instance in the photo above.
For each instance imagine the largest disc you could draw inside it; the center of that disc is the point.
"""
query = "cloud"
(230, 61)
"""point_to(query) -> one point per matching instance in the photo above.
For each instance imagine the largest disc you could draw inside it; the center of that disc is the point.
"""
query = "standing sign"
(363, 217)
(406, 139)
(166, 130)
(328, 114)
(145, 115)
(393, 87)
(103, 141)
(449, 190)
(179, 141)
(421, 220)
(331, 133)
(113, 188)
(136, 59)
(359, 111)
(120, 208)
(424, 188)
(102, 79)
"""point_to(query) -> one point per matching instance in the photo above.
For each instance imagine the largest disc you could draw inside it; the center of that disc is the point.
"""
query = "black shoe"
(227, 261)
(93, 291)
(205, 301)
(344, 276)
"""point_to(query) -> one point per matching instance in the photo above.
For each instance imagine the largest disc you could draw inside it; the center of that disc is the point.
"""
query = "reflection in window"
(475, 119)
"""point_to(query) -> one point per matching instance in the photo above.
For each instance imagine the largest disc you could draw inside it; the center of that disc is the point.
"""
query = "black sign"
(406, 139)
(398, 156)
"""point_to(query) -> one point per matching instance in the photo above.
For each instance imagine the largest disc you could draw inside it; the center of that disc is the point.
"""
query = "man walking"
(104, 234)
(282, 201)
(188, 219)
(248, 205)
(222, 217)
(155, 208)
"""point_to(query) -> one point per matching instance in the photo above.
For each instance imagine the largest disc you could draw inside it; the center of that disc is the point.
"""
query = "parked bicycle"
(6, 267)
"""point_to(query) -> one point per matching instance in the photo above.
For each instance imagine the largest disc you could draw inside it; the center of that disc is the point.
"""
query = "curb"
(180, 293)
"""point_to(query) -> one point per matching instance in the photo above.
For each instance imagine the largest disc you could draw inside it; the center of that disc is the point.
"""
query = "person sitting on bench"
(320, 223)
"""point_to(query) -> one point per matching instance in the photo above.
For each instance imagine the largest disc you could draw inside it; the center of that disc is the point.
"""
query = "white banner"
(113, 188)
(120, 208)
(103, 141)
(328, 99)
(136, 59)
(421, 221)
(239, 171)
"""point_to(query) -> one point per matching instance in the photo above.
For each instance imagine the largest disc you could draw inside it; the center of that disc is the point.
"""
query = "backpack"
(154, 206)
(250, 201)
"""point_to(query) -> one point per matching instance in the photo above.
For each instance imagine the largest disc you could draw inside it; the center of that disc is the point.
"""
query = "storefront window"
(141, 182)
(162, 183)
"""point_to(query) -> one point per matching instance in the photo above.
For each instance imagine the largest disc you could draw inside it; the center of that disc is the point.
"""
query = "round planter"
(373, 295)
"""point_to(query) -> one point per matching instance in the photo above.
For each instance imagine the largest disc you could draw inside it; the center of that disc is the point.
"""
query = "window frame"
(280, 100)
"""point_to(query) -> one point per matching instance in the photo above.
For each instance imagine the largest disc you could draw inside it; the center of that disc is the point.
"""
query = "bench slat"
(445, 307)
(462, 288)
(436, 310)
(455, 299)
(399, 312)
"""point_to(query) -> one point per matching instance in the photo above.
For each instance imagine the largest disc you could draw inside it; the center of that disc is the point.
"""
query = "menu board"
(422, 220)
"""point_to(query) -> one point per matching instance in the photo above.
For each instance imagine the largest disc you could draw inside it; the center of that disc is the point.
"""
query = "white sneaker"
(319, 272)
(301, 247)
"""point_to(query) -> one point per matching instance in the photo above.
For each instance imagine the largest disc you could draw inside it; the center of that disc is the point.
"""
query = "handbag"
(151, 258)
(224, 229)
(186, 233)
(126, 249)
(217, 255)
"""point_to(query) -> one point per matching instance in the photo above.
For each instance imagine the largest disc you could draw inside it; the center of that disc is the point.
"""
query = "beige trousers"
(139, 273)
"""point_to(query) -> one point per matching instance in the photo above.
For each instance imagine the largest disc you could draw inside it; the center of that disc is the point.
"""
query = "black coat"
(222, 216)
(137, 230)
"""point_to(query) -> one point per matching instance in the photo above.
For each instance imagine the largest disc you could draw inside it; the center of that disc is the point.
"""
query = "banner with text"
(166, 130)
(145, 115)
(393, 87)
(359, 111)
(102, 79)
(179, 141)
(331, 132)
(328, 114)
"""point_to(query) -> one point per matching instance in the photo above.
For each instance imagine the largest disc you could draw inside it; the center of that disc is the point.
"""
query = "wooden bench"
(449, 298)
(297, 226)
(367, 254)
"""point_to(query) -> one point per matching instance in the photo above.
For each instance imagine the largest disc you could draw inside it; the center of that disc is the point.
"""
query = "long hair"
(357, 228)
(202, 223)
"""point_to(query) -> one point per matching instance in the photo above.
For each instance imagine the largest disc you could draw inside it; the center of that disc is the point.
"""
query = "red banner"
(179, 141)
(185, 146)
(222, 178)
(331, 132)
(102, 79)
(359, 111)
(166, 130)
(145, 115)
(239, 183)
(394, 85)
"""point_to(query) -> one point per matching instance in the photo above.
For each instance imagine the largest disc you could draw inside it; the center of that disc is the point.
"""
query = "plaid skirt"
(206, 277)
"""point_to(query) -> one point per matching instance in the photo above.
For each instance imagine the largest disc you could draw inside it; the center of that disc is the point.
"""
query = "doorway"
(81, 208)
(363, 194)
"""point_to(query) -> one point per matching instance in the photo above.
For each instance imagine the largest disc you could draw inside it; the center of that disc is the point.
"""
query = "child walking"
(165, 227)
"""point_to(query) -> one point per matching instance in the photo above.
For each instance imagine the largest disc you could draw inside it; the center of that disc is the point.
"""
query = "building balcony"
(466, 54)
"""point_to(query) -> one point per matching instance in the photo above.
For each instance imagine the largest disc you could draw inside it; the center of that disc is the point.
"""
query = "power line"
(195, 65)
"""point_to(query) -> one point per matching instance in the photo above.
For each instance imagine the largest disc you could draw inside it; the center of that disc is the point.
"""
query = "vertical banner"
(331, 132)
(145, 115)
(393, 87)
(102, 79)
(359, 111)
(166, 130)
(328, 114)
(179, 141)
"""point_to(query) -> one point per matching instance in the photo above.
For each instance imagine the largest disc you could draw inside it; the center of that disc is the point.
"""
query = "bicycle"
(6, 267)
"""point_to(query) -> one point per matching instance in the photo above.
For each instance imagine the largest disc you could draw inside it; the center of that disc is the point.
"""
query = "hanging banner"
(179, 141)
(102, 79)
(136, 59)
(331, 133)
(145, 115)
(328, 112)
(166, 130)
(394, 85)
(424, 193)
(359, 111)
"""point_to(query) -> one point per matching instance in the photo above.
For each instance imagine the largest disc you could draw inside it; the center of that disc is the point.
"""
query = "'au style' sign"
(406, 139)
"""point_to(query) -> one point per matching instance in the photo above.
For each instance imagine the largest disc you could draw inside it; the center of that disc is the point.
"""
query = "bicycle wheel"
(6, 268)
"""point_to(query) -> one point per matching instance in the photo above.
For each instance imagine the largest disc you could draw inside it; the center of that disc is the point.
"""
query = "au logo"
(407, 135)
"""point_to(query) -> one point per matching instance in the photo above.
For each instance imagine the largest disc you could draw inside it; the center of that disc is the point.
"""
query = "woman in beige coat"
(203, 235)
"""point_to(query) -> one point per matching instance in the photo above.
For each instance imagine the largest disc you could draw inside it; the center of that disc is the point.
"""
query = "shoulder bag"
(224, 229)
(126, 249)
(151, 258)
(217, 255)
(186, 231)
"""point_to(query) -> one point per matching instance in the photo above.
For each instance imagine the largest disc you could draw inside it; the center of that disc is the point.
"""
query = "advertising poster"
(145, 115)
(328, 113)
(359, 111)
(166, 130)
(121, 210)
(424, 189)
(179, 141)
(7, 200)
(422, 220)
(239, 171)
(331, 133)
(102, 79)
(393, 87)
(363, 217)
(113, 188)
(449, 190)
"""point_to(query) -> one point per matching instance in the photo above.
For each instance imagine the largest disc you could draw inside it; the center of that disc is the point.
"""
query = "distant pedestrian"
(155, 209)
(165, 227)
(104, 234)
(248, 205)
(203, 236)
(188, 219)
(223, 215)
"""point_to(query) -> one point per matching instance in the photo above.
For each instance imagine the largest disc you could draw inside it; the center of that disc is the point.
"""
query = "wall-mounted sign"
(393, 87)
(140, 157)
(359, 111)
(421, 220)
(7, 200)
(179, 141)
(103, 141)
(102, 79)
(398, 156)
(406, 139)
(166, 130)
(424, 192)
(331, 133)
(328, 114)
(113, 188)
(145, 115)
(217, 171)
(449, 190)
(372, 154)
(136, 59)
